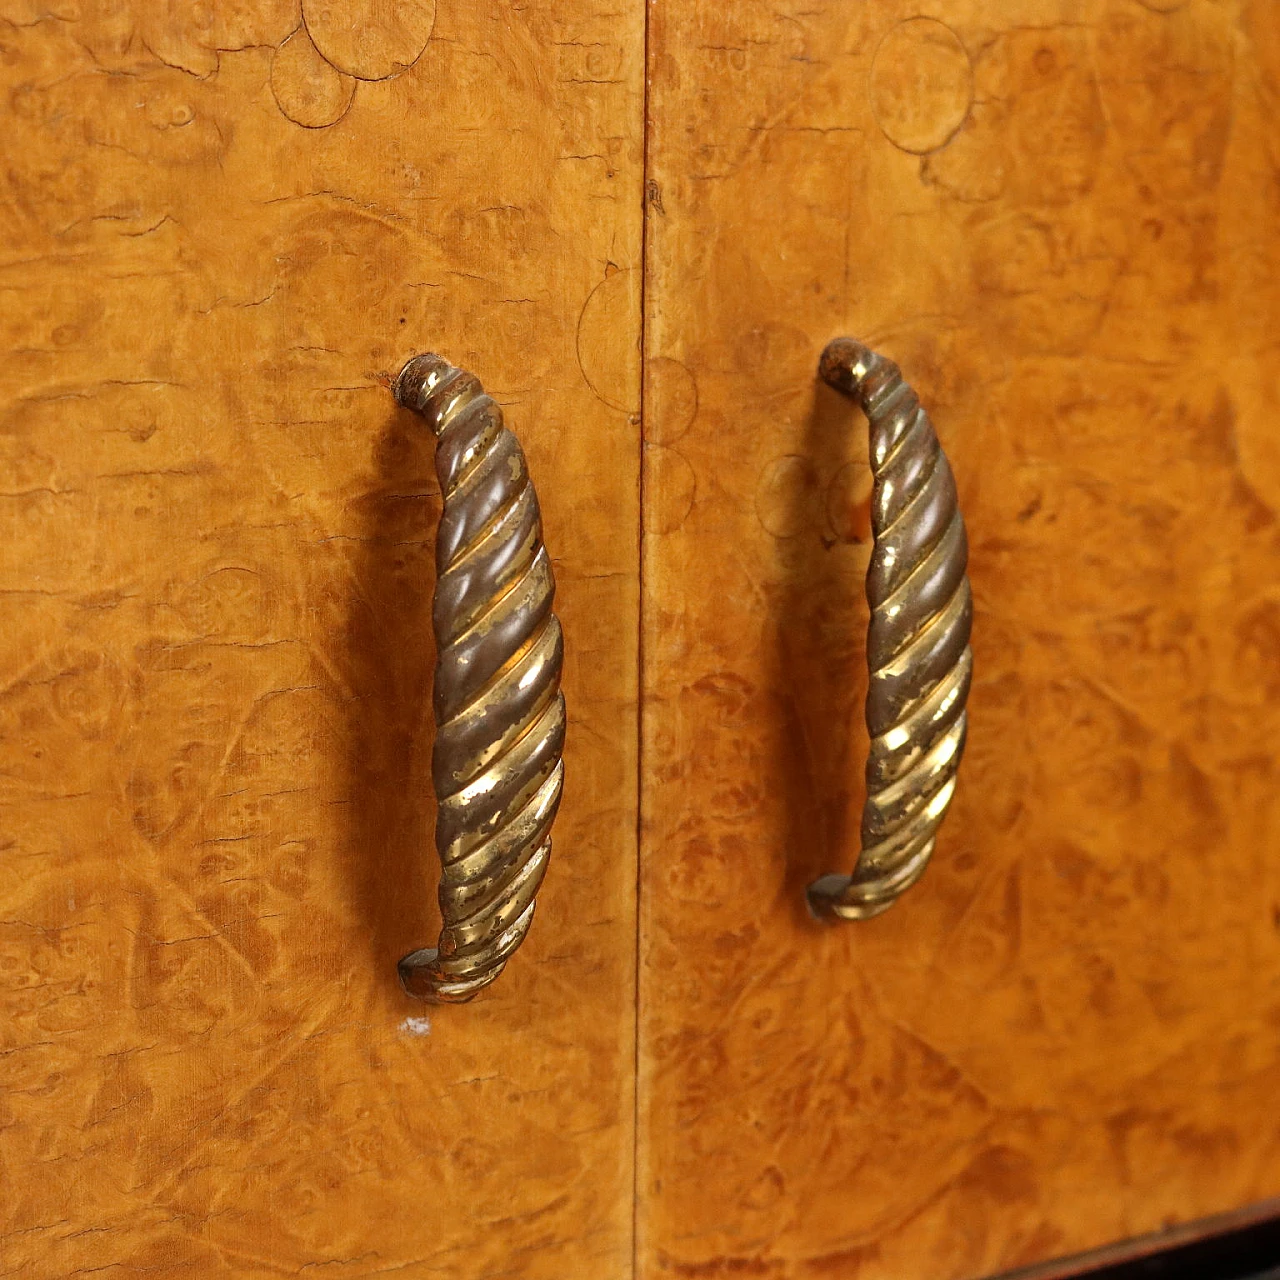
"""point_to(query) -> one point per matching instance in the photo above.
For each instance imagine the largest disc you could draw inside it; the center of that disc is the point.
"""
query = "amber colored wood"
(1060, 217)
(222, 231)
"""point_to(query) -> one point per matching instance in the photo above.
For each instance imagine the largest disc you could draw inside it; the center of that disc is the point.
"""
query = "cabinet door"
(224, 228)
(1059, 217)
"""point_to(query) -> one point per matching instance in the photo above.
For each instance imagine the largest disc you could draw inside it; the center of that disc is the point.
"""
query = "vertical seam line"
(640, 646)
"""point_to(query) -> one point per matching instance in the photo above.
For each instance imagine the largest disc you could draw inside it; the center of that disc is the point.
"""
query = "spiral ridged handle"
(918, 650)
(500, 716)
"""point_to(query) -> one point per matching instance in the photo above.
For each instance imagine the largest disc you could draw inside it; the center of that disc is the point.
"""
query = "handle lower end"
(829, 898)
(421, 977)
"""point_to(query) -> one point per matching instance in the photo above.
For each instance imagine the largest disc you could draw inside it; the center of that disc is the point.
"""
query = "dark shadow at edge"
(822, 736)
(388, 849)
(1240, 1245)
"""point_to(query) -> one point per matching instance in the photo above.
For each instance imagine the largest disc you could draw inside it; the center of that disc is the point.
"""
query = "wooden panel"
(222, 233)
(1060, 217)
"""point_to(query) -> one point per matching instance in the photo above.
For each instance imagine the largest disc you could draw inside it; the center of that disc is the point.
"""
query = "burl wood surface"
(222, 230)
(1060, 217)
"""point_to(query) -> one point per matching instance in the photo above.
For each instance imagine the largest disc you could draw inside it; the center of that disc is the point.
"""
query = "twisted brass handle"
(500, 716)
(917, 644)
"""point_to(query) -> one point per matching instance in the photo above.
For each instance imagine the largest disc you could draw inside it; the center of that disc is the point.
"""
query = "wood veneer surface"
(222, 230)
(1059, 217)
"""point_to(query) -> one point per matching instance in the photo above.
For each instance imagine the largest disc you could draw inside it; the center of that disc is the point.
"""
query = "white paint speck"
(416, 1026)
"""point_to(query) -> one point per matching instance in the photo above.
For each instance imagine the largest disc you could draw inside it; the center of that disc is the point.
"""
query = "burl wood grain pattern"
(1059, 217)
(224, 227)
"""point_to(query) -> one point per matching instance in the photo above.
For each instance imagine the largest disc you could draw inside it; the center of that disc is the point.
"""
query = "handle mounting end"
(421, 978)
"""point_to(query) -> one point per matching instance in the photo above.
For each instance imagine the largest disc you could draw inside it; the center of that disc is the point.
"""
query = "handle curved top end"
(434, 389)
(849, 366)
(844, 363)
(418, 379)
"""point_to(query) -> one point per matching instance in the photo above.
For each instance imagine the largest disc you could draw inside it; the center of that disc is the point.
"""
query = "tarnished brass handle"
(499, 712)
(918, 650)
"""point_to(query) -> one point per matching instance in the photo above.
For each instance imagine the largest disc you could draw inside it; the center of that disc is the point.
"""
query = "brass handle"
(499, 712)
(918, 651)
